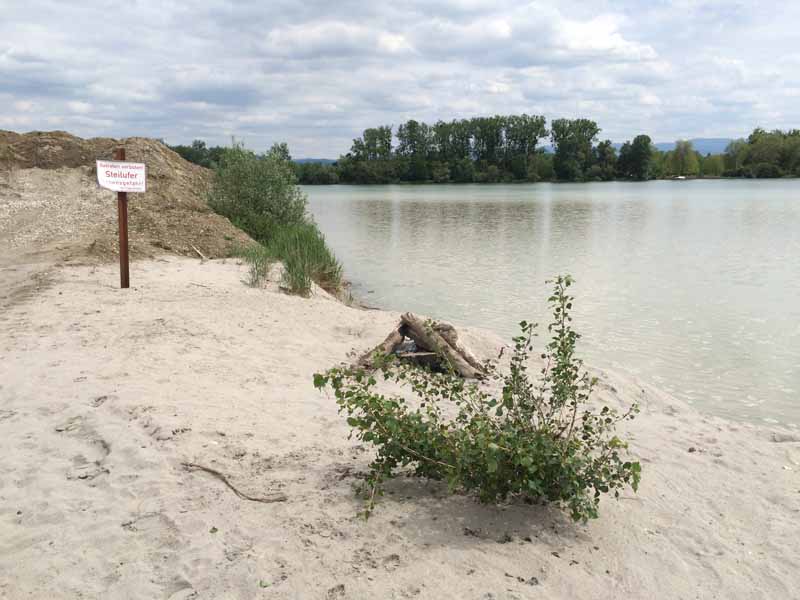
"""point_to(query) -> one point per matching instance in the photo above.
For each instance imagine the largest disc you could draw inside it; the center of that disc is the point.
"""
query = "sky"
(315, 73)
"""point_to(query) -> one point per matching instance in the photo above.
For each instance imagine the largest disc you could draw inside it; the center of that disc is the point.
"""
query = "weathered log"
(387, 346)
(449, 333)
(428, 338)
(424, 359)
(446, 330)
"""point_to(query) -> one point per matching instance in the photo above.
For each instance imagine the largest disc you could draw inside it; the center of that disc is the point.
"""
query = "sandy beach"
(106, 393)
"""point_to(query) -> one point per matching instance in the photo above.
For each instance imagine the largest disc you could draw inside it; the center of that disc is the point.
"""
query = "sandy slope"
(51, 207)
(104, 393)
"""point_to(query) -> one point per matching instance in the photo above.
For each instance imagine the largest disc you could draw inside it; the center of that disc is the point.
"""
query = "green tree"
(791, 159)
(280, 151)
(735, 156)
(635, 158)
(684, 159)
(199, 154)
(442, 141)
(463, 171)
(316, 174)
(540, 167)
(522, 134)
(440, 172)
(488, 142)
(461, 139)
(605, 159)
(764, 152)
(573, 140)
(374, 144)
(712, 165)
(414, 144)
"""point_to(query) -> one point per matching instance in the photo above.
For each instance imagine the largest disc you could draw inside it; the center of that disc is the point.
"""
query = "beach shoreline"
(107, 393)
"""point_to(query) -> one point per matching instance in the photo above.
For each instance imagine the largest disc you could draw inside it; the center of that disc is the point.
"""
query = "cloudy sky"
(316, 73)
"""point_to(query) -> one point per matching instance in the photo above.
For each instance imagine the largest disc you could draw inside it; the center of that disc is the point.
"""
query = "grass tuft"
(305, 257)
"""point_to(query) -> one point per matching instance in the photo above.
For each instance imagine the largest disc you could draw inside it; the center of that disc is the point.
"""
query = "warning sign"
(121, 176)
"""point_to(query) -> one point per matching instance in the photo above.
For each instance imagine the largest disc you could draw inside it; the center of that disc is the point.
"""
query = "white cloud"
(316, 73)
(393, 43)
(80, 108)
(23, 106)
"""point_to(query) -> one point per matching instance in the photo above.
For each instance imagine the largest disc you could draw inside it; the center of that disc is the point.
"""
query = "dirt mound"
(49, 200)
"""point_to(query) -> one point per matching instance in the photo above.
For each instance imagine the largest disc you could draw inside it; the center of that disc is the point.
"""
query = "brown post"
(122, 209)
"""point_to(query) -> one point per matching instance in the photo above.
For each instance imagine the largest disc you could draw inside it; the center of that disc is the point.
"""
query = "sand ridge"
(52, 208)
(105, 393)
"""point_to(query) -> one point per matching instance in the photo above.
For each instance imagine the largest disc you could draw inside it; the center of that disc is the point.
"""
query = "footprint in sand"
(86, 468)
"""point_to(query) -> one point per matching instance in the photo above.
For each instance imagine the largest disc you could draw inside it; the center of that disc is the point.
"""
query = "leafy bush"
(259, 195)
(766, 171)
(540, 440)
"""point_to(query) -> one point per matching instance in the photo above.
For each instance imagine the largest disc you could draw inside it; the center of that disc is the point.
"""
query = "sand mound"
(50, 202)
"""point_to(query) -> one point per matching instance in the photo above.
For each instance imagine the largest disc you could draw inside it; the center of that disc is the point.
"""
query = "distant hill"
(702, 145)
(321, 161)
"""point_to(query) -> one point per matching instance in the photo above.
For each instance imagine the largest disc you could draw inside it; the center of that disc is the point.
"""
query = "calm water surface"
(691, 285)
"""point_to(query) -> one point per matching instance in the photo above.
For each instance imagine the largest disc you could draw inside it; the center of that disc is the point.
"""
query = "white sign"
(121, 176)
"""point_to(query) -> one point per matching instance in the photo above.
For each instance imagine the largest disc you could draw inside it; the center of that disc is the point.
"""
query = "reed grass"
(305, 256)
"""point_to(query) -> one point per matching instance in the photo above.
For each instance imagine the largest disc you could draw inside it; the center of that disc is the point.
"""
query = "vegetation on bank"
(536, 439)
(259, 194)
(509, 148)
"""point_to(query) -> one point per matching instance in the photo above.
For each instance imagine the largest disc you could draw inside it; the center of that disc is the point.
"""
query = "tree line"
(511, 149)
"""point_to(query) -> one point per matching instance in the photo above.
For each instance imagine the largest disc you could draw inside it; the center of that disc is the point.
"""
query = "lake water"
(691, 285)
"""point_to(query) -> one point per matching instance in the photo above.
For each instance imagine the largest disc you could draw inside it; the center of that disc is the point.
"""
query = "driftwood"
(277, 497)
(435, 343)
(387, 346)
(449, 333)
(202, 256)
(428, 338)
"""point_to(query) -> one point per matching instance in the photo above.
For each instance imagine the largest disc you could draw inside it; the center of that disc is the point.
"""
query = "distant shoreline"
(491, 183)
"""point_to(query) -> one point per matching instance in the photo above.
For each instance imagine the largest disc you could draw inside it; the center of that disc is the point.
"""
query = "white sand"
(103, 393)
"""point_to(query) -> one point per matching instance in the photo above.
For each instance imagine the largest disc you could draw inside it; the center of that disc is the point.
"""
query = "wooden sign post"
(122, 177)
(122, 213)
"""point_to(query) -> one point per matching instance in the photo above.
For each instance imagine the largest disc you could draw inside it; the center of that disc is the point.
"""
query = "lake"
(690, 285)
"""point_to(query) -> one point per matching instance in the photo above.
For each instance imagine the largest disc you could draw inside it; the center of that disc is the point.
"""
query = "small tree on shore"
(535, 439)
(257, 193)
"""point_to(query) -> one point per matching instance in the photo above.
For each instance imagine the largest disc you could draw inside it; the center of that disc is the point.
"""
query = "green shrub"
(259, 195)
(539, 440)
(766, 171)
